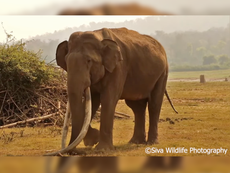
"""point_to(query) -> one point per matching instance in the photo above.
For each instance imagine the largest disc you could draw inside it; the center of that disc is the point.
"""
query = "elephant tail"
(166, 93)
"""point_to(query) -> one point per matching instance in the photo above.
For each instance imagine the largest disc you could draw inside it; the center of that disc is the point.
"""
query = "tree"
(201, 51)
(222, 59)
(207, 60)
(190, 49)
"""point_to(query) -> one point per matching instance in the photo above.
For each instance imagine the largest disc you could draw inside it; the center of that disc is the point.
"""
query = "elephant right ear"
(61, 52)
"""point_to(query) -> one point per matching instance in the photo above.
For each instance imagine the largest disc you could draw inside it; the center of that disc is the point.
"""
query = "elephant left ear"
(111, 54)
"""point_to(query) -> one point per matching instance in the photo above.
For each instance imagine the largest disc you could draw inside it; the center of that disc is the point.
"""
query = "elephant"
(104, 66)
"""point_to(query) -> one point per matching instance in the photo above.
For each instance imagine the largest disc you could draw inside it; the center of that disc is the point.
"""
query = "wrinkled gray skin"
(115, 64)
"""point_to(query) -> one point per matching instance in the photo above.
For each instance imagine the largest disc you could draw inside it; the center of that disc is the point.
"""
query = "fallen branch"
(28, 120)
(3, 102)
(45, 98)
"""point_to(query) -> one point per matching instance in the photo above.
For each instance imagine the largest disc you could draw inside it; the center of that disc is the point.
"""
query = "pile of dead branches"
(23, 104)
(30, 90)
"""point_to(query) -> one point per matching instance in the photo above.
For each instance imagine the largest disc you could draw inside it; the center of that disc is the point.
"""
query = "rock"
(171, 122)
(168, 119)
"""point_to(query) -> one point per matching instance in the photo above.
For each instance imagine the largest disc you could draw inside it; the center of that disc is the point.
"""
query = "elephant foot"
(104, 146)
(92, 137)
(152, 141)
(137, 140)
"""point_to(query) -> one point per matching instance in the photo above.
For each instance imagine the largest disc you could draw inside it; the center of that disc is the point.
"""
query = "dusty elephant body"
(115, 64)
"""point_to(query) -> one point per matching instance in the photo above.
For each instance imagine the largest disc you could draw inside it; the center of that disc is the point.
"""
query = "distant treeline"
(180, 68)
(191, 50)
(186, 51)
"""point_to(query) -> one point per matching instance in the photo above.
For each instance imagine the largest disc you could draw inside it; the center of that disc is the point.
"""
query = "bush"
(208, 60)
(28, 87)
(223, 59)
(19, 66)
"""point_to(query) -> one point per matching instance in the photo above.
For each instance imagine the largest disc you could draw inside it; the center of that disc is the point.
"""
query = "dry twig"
(27, 120)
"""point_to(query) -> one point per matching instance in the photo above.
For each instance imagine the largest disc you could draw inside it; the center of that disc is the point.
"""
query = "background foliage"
(206, 48)
(19, 66)
(29, 87)
(195, 51)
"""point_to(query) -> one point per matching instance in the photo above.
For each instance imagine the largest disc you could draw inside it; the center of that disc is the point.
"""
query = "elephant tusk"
(66, 125)
(88, 114)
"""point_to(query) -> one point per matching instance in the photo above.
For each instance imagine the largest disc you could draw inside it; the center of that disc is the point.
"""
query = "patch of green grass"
(202, 122)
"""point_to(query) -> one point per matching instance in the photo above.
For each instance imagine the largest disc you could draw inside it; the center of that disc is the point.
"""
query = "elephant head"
(86, 57)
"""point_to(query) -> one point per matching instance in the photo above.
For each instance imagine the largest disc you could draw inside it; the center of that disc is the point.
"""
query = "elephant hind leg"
(154, 106)
(138, 107)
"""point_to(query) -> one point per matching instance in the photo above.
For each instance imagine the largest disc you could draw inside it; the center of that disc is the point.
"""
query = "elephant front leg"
(92, 136)
(106, 126)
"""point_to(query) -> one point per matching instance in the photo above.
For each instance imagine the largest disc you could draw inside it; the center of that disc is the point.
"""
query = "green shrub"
(19, 66)
(28, 86)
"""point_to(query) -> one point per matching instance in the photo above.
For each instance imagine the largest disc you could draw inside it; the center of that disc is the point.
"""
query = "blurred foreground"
(114, 164)
(113, 9)
(120, 7)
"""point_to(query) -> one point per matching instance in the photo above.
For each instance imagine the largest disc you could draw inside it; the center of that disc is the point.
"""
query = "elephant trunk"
(77, 107)
(84, 129)
(78, 83)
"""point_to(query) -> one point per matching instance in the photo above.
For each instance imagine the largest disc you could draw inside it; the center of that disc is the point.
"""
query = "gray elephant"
(115, 64)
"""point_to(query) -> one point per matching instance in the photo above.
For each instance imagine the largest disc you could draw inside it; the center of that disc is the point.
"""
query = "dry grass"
(214, 74)
(203, 108)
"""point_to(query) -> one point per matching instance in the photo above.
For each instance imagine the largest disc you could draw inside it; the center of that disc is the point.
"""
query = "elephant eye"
(89, 60)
